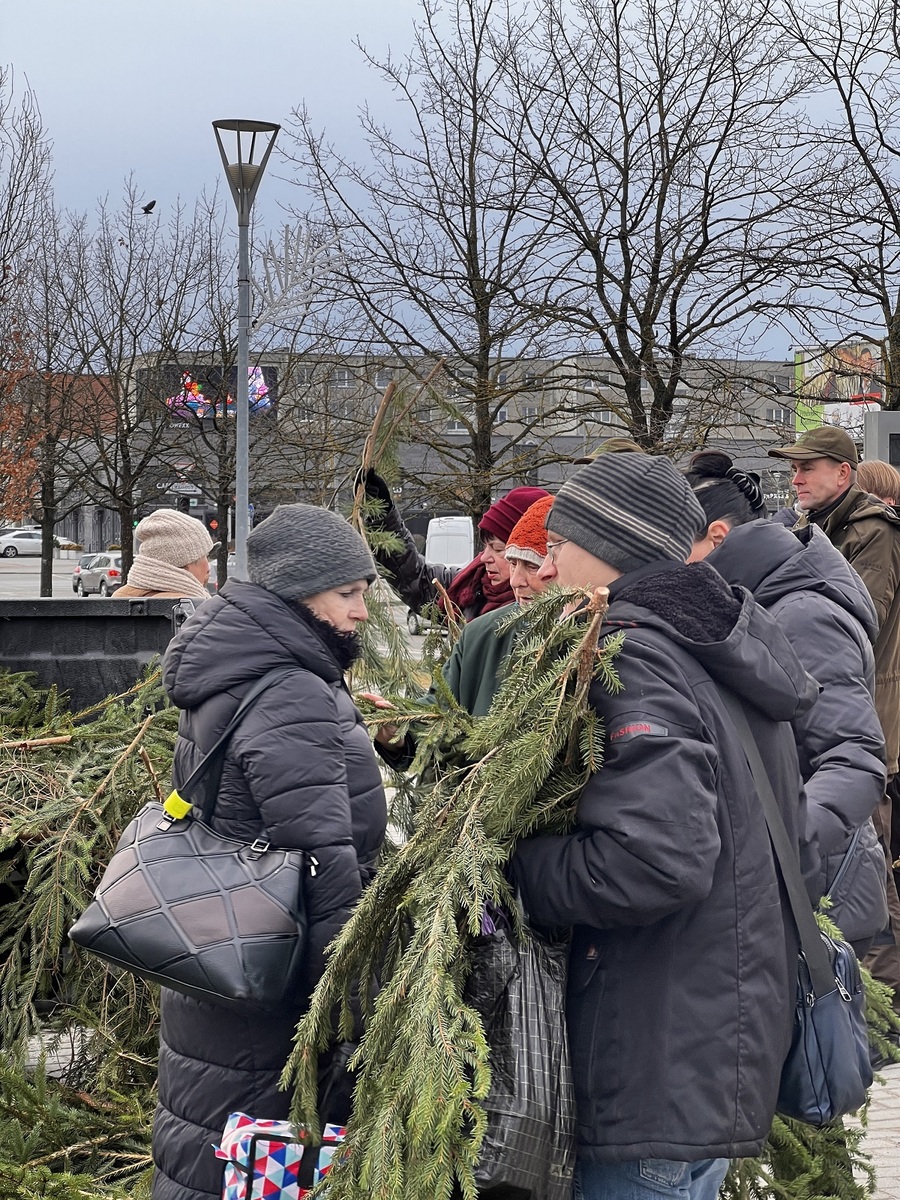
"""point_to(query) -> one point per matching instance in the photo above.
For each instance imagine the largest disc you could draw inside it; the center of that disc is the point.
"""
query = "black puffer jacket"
(682, 969)
(823, 608)
(301, 769)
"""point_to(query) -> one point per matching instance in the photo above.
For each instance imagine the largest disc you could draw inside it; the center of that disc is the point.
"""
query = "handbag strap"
(820, 968)
(217, 753)
(845, 861)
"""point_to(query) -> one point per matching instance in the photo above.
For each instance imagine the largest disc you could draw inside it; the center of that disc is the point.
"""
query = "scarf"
(155, 575)
(471, 589)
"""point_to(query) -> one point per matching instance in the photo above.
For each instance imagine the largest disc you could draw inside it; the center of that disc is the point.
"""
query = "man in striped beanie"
(680, 998)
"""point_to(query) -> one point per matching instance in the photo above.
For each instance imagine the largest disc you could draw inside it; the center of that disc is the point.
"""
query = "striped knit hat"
(628, 510)
(528, 540)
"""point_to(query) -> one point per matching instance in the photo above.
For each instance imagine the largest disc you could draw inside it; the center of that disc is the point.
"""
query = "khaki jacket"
(867, 533)
(129, 592)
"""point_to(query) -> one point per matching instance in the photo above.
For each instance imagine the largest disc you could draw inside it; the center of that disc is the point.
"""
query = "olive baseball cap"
(827, 442)
(614, 445)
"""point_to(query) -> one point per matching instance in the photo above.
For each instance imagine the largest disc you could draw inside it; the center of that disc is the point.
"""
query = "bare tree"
(438, 246)
(847, 281)
(138, 292)
(660, 136)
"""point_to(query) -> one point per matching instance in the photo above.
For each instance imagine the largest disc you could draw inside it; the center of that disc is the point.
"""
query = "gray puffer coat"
(823, 608)
(300, 769)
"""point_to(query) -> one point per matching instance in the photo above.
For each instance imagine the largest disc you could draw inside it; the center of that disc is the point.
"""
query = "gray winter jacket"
(300, 769)
(823, 608)
(683, 967)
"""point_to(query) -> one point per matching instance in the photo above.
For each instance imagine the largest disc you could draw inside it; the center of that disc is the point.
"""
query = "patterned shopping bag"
(262, 1159)
(332, 1136)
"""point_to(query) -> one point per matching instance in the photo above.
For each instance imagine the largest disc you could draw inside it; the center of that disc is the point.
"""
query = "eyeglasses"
(552, 547)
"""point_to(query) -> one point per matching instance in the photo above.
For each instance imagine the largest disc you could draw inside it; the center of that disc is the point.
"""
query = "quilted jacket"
(301, 771)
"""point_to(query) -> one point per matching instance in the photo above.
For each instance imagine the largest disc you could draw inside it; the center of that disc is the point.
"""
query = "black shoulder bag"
(185, 907)
(827, 1072)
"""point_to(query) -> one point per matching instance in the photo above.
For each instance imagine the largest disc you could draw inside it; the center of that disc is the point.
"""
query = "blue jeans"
(649, 1179)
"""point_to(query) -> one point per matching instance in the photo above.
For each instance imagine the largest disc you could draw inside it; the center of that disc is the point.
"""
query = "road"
(20, 578)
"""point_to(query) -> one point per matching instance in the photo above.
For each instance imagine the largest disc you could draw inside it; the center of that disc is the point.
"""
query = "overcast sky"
(129, 86)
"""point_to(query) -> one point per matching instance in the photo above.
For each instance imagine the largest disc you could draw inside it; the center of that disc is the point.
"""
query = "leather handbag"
(827, 1073)
(191, 910)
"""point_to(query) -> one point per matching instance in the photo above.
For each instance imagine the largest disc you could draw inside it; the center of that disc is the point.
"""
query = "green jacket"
(477, 659)
(867, 533)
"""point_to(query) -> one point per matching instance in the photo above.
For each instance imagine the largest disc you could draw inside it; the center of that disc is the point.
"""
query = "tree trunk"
(126, 534)
(48, 524)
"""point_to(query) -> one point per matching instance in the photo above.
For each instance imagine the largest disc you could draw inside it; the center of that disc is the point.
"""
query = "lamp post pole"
(244, 177)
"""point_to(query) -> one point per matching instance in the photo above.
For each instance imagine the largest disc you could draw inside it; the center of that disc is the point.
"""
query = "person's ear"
(717, 532)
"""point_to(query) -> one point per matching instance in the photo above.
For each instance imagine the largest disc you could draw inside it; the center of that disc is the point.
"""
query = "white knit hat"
(172, 537)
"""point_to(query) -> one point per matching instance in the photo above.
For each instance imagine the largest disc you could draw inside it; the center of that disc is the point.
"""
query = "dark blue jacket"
(683, 968)
(301, 771)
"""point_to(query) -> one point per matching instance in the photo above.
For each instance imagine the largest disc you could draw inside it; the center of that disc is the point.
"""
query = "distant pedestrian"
(879, 479)
(172, 559)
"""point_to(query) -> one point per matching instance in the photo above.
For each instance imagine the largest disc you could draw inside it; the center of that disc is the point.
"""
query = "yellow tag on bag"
(176, 807)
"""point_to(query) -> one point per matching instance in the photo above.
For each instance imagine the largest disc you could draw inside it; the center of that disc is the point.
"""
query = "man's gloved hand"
(376, 488)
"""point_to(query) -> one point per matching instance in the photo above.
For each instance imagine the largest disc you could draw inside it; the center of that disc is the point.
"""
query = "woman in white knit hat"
(172, 559)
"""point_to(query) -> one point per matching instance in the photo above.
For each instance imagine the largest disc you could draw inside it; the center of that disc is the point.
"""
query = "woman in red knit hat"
(480, 587)
(473, 669)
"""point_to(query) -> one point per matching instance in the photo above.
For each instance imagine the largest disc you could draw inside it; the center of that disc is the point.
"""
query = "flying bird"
(148, 208)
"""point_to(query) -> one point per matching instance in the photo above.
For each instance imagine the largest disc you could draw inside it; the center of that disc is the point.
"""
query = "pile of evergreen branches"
(79, 1042)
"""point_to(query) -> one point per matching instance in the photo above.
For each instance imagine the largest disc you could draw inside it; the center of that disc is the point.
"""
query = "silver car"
(82, 565)
(20, 541)
(103, 575)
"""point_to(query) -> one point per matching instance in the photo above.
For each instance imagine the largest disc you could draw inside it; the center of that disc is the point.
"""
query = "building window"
(605, 416)
(501, 379)
(456, 425)
(341, 377)
(779, 416)
(383, 377)
(783, 383)
(502, 416)
(529, 412)
(305, 376)
(531, 379)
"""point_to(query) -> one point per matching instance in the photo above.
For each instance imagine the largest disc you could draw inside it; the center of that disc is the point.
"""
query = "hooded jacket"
(682, 968)
(299, 770)
(867, 533)
(824, 609)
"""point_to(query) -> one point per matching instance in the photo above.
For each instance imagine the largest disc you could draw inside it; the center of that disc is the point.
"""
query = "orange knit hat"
(528, 539)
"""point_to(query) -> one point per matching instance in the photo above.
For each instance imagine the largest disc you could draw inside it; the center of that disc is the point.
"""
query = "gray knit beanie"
(628, 510)
(301, 550)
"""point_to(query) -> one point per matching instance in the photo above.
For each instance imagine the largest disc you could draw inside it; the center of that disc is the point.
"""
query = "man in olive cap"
(867, 533)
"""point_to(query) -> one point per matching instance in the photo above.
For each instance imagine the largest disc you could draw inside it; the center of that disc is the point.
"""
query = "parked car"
(83, 563)
(22, 541)
(103, 575)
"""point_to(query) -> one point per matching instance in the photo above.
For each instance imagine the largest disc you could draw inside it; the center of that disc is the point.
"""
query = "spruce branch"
(422, 1066)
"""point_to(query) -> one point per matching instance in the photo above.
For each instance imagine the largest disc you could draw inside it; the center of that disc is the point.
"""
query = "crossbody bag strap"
(820, 968)
(216, 754)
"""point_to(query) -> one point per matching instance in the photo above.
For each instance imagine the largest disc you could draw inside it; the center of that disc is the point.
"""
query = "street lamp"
(244, 176)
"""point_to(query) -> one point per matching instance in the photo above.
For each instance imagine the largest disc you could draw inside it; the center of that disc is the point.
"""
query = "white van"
(450, 540)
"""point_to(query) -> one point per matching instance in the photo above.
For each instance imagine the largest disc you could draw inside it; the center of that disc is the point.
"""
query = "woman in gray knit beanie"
(299, 773)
